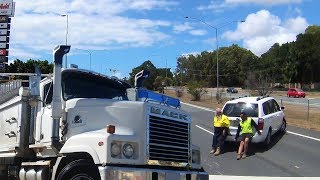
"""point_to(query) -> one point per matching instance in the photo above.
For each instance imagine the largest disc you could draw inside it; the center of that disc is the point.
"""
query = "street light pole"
(217, 46)
(217, 54)
(67, 17)
(165, 69)
(90, 52)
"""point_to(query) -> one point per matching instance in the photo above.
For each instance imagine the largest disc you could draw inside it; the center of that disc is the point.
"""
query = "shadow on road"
(253, 148)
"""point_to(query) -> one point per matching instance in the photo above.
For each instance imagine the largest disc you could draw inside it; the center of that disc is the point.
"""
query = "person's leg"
(240, 149)
(246, 144)
(221, 138)
(214, 144)
(219, 134)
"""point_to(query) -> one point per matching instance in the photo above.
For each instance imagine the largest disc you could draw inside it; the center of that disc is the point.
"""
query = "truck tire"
(79, 169)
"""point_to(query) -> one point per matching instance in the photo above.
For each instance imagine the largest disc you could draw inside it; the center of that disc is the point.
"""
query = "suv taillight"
(260, 123)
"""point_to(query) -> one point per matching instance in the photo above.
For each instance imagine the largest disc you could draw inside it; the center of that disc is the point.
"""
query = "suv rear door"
(272, 114)
(233, 110)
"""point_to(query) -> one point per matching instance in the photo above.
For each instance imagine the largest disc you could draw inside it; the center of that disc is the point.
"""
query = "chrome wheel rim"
(82, 177)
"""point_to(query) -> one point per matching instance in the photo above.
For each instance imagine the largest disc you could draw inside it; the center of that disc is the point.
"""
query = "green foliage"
(28, 67)
(297, 61)
(196, 90)
(147, 65)
(150, 83)
(158, 83)
(234, 62)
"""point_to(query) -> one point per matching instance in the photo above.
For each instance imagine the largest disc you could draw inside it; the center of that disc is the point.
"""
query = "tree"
(28, 67)
(260, 82)
(158, 84)
(197, 90)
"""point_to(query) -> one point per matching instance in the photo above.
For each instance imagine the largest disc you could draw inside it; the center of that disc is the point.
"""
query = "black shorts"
(246, 135)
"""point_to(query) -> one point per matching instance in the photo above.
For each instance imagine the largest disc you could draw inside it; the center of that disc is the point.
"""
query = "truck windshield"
(234, 109)
(77, 84)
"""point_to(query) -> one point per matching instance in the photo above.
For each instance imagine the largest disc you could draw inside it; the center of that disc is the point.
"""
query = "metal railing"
(10, 86)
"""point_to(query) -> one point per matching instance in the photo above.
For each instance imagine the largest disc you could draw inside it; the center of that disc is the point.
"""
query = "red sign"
(4, 5)
(3, 52)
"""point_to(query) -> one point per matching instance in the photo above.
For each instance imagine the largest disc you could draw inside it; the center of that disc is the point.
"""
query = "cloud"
(101, 24)
(262, 29)
(262, 2)
(218, 6)
(198, 32)
(182, 27)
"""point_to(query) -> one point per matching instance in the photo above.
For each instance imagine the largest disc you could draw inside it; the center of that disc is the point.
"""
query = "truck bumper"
(109, 172)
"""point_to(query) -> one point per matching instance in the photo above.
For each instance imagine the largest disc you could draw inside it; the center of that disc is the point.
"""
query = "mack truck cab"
(78, 124)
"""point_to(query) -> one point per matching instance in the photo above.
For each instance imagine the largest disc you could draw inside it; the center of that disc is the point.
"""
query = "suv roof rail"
(239, 97)
(259, 98)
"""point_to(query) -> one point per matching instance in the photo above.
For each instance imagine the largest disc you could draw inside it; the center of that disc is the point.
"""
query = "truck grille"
(168, 140)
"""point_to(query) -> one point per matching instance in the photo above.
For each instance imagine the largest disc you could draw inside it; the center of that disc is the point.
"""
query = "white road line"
(204, 129)
(309, 137)
(207, 109)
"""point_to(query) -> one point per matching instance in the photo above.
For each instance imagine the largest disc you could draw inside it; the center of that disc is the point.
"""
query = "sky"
(120, 35)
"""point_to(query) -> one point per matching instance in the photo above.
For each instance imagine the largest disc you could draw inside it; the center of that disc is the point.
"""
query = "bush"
(196, 90)
(179, 91)
(160, 89)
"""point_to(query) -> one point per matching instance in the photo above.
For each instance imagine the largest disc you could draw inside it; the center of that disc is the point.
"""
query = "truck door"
(43, 126)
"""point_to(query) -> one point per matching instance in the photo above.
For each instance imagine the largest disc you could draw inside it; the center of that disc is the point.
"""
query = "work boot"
(213, 151)
(238, 156)
(217, 152)
(244, 156)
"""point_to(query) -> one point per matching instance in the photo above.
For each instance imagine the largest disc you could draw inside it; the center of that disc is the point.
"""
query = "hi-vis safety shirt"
(246, 126)
(221, 121)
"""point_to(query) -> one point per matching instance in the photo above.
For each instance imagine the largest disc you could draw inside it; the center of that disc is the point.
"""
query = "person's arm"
(226, 124)
(255, 126)
(238, 131)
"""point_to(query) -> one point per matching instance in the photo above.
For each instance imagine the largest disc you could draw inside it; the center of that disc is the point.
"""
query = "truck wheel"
(79, 169)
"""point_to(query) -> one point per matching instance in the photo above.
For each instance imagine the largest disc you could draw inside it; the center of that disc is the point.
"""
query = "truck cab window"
(86, 85)
(47, 95)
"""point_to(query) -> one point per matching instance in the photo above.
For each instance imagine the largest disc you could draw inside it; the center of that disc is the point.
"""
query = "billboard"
(4, 26)
(7, 7)
(3, 52)
(4, 32)
(3, 59)
(4, 45)
(4, 39)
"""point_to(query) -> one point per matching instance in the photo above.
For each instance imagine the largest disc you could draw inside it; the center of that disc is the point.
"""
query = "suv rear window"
(234, 109)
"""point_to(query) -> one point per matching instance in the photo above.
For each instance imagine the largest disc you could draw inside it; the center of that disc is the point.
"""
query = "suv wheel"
(283, 126)
(267, 141)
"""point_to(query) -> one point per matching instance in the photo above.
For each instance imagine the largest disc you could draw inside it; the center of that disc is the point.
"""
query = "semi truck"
(78, 124)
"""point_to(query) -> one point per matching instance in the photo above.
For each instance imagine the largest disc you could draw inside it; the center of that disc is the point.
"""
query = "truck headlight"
(115, 149)
(128, 150)
(195, 156)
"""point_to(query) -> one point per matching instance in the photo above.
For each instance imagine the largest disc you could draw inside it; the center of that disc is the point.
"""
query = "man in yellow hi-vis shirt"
(221, 125)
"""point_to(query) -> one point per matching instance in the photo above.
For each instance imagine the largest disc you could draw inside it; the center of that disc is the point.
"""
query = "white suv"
(265, 111)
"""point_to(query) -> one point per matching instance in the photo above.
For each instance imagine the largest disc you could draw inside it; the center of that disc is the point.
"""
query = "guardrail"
(9, 86)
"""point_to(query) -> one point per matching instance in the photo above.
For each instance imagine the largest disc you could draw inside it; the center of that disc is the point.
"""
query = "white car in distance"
(266, 113)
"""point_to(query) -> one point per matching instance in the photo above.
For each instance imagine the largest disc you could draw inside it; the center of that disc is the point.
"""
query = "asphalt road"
(294, 154)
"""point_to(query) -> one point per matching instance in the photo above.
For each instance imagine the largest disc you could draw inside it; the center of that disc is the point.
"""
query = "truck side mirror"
(34, 83)
(140, 76)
